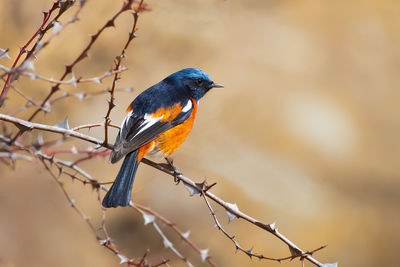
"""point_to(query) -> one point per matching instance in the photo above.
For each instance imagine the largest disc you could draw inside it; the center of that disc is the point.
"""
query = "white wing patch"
(126, 119)
(148, 122)
(188, 106)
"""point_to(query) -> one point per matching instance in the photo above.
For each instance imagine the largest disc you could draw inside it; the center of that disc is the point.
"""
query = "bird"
(157, 122)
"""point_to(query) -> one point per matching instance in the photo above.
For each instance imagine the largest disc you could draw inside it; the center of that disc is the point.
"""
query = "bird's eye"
(199, 82)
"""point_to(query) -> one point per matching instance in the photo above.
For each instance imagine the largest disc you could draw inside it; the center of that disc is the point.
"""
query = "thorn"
(249, 252)
(167, 243)
(234, 207)
(93, 37)
(237, 247)
(148, 218)
(56, 27)
(28, 64)
(80, 96)
(64, 124)
(96, 80)
(295, 252)
(4, 53)
(209, 187)
(68, 68)
(132, 36)
(186, 235)
(110, 23)
(192, 191)
(203, 254)
(122, 258)
(83, 55)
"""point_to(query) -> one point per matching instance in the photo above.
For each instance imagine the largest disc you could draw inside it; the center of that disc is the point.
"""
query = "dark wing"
(137, 131)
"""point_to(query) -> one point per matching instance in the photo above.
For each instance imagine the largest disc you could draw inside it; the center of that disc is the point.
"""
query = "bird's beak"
(216, 85)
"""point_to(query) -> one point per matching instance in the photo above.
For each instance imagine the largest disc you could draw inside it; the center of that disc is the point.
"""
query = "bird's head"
(195, 82)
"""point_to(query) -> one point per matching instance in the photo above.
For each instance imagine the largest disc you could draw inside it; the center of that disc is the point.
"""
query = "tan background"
(305, 132)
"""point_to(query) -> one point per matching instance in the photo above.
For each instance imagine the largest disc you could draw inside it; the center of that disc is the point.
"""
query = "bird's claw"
(177, 174)
(176, 171)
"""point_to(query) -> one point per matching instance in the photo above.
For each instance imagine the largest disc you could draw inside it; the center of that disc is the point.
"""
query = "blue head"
(195, 82)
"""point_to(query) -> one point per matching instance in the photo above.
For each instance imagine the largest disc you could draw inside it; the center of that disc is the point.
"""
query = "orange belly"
(169, 141)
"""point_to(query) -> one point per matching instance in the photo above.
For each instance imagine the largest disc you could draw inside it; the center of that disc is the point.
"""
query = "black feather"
(120, 192)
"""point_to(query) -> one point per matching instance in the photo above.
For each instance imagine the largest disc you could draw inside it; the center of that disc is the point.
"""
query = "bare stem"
(118, 61)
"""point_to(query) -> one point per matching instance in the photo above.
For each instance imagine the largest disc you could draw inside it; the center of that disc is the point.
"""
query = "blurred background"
(304, 134)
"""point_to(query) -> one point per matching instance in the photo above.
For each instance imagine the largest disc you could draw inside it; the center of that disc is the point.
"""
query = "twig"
(183, 236)
(68, 69)
(295, 251)
(23, 50)
(250, 252)
(27, 126)
(89, 126)
(118, 61)
(73, 81)
(107, 243)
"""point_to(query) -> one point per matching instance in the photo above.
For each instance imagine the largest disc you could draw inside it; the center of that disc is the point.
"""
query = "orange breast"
(169, 141)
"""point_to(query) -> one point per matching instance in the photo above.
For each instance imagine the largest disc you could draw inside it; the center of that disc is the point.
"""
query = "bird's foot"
(176, 171)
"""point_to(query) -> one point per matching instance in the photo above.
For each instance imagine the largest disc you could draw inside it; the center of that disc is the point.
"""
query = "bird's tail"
(120, 192)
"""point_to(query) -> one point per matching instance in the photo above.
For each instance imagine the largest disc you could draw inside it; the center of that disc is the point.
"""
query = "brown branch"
(23, 50)
(118, 61)
(27, 126)
(68, 69)
(250, 252)
(89, 126)
(96, 185)
(175, 229)
(267, 227)
(295, 251)
(73, 81)
(107, 243)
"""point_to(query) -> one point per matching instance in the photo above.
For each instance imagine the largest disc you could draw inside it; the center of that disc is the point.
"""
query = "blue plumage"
(140, 128)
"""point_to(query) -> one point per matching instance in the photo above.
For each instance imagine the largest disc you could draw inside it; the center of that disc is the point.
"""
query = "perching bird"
(158, 120)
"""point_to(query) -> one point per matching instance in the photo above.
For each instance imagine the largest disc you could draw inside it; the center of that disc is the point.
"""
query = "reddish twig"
(68, 69)
(23, 50)
(89, 126)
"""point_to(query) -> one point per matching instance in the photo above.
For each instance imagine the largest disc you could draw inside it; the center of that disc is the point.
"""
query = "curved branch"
(198, 188)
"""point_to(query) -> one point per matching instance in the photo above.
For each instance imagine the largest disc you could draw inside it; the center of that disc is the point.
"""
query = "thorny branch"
(118, 61)
(194, 188)
(107, 243)
(23, 49)
(250, 252)
(62, 165)
(85, 52)
(74, 81)
(184, 236)
(27, 126)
